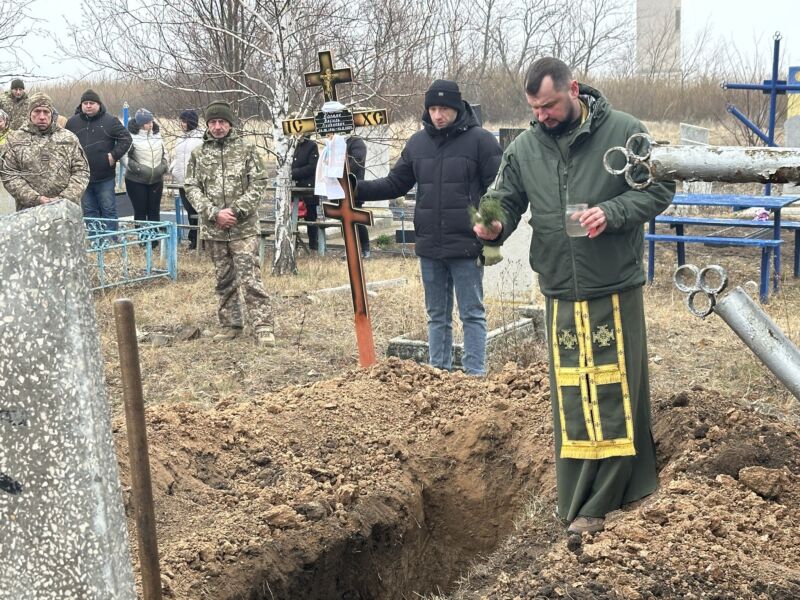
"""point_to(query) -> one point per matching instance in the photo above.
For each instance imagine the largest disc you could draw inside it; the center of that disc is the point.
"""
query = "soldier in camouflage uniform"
(15, 103)
(43, 162)
(225, 182)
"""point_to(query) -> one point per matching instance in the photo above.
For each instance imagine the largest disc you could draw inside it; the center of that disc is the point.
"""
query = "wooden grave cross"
(329, 123)
(327, 77)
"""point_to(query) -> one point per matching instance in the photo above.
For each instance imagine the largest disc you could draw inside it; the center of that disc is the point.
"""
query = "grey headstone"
(7, 204)
(377, 166)
(478, 113)
(507, 135)
(63, 534)
(512, 279)
(694, 135)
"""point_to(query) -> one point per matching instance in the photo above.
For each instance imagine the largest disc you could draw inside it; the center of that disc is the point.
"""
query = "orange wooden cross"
(350, 216)
(344, 210)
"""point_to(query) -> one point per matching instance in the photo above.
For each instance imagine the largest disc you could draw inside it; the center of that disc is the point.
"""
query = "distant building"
(658, 38)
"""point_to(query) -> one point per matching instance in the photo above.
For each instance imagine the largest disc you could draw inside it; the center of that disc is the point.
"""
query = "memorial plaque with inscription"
(339, 121)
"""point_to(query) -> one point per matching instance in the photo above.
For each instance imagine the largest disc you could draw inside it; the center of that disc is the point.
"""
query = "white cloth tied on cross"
(330, 165)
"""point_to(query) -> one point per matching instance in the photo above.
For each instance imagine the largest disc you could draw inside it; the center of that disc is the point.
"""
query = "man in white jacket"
(190, 139)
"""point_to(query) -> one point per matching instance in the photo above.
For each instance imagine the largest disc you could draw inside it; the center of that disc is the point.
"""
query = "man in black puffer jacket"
(105, 141)
(452, 160)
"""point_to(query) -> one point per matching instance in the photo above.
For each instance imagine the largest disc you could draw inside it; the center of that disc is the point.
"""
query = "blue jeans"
(99, 201)
(440, 277)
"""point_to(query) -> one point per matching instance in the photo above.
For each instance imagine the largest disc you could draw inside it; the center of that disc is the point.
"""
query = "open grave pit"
(381, 483)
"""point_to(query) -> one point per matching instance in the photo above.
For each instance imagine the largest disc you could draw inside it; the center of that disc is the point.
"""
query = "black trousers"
(146, 199)
(311, 203)
(363, 232)
(192, 213)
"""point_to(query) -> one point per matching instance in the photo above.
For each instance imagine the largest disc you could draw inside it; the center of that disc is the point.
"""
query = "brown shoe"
(265, 337)
(228, 333)
(586, 525)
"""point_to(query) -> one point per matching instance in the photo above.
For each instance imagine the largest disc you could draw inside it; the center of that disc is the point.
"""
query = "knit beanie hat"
(40, 99)
(444, 93)
(90, 96)
(143, 116)
(219, 109)
(190, 117)
(17, 84)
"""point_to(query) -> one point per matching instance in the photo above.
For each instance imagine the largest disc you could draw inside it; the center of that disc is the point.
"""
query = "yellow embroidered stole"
(594, 403)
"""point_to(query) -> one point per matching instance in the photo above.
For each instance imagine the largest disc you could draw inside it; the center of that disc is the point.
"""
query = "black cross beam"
(361, 118)
(327, 77)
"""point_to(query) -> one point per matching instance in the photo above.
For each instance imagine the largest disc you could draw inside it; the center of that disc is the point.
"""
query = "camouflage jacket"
(17, 109)
(226, 173)
(50, 163)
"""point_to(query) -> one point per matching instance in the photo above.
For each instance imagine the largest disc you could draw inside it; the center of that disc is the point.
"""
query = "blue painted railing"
(774, 87)
(131, 251)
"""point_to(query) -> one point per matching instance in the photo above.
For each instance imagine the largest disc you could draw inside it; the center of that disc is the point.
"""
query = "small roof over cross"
(327, 77)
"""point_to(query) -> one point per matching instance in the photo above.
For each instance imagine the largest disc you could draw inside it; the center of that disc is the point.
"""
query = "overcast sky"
(734, 21)
(737, 21)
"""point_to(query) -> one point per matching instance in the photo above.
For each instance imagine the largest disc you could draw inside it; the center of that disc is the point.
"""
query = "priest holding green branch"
(587, 246)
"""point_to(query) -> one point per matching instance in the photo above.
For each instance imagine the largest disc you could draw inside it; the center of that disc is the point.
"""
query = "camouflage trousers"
(238, 279)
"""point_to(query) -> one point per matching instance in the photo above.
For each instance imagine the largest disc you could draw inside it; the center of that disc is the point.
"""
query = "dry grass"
(686, 351)
(316, 338)
(315, 331)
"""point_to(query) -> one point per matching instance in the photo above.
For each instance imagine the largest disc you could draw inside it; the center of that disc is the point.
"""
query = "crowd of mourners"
(589, 263)
(220, 177)
(59, 168)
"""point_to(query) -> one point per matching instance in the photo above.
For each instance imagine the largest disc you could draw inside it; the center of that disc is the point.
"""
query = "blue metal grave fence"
(126, 254)
(773, 87)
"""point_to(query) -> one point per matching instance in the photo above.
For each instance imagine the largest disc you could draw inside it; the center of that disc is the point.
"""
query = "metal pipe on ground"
(745, 317)
(762, 336)
(141, 484)
(646, 161)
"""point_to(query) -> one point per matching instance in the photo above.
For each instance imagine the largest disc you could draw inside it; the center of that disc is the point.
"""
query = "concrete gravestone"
(63, 534)
(694, 135)
(512, 279)
(7, 204)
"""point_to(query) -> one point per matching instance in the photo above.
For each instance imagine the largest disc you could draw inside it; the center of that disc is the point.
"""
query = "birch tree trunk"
(283, 261)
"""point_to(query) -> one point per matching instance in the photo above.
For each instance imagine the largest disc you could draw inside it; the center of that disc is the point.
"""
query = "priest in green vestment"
(591, 273)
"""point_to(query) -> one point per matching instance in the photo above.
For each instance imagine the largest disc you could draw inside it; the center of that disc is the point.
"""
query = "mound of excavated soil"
(724, 523)
(389, 482)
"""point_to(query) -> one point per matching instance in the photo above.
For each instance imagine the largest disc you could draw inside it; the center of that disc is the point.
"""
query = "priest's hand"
(490, 233)
(594, 221)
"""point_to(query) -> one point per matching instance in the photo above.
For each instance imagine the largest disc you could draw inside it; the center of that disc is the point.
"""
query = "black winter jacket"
(100, 135)
(304, 169)
(452, 168)
(304, 163)
(357, 160)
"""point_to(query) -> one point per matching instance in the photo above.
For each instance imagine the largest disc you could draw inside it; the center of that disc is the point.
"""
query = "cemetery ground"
(292, 474)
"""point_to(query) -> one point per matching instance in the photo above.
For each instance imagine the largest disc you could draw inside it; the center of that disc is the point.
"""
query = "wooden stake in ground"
(333, 122)
(137, 445)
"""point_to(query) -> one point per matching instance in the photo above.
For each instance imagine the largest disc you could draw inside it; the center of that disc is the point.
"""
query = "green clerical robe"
(605, 456)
